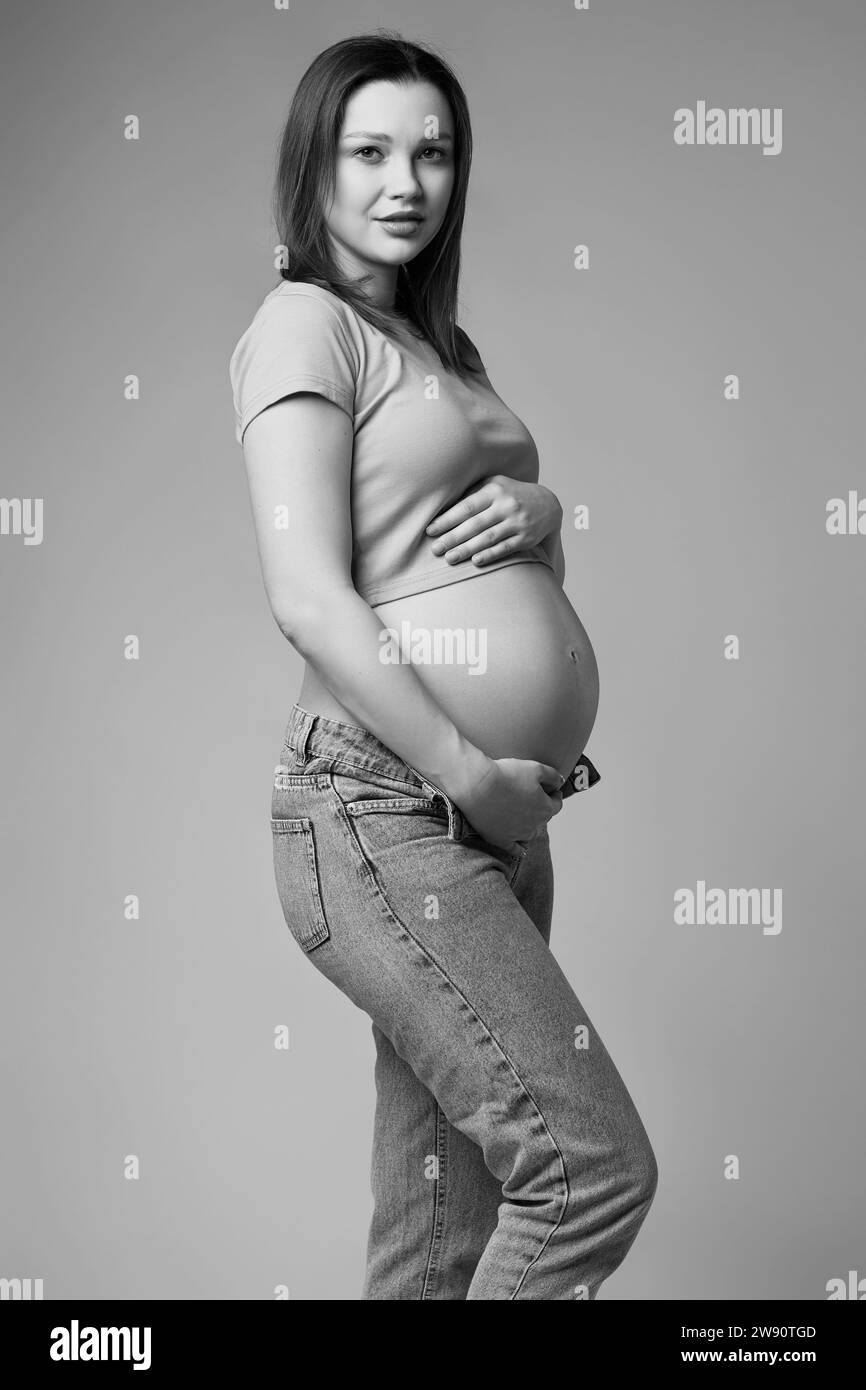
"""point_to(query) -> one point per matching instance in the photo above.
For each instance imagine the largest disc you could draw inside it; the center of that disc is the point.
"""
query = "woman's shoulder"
(302, 293)
(308, 315)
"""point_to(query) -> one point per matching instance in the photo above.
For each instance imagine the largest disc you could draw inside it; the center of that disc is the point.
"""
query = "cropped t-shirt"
(422, 436)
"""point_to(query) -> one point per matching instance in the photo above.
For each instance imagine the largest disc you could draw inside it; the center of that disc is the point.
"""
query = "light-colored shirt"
(422, 436)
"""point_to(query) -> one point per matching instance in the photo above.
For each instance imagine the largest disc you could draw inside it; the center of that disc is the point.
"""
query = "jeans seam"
(523, 1089)
(431, 1274)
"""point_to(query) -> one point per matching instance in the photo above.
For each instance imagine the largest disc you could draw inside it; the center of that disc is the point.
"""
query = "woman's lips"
(400, 227)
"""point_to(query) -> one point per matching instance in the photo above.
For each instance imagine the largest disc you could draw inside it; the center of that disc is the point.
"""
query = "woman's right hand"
(511, 800)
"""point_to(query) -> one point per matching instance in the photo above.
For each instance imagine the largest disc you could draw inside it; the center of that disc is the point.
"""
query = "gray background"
(155, 1037)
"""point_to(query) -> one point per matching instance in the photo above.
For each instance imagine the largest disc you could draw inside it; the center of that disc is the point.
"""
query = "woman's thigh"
(430, 1227)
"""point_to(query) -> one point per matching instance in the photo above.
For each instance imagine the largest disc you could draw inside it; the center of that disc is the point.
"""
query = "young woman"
(441, 721)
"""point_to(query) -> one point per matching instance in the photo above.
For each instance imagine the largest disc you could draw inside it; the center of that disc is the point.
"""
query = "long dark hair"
(426, 294)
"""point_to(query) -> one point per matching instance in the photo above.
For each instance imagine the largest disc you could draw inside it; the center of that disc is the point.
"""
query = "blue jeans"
(509, 1160)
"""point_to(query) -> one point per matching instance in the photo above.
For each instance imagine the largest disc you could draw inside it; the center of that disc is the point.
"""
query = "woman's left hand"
(501, 516)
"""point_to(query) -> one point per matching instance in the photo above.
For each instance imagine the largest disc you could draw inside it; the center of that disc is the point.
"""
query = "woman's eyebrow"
(377, 135)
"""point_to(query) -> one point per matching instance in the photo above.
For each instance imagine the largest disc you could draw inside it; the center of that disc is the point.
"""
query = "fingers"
(478, 536)
(496, 552)
(551, 776)
(469, 507)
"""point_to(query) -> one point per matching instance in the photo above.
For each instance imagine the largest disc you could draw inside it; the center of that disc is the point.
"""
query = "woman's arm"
(298, 454)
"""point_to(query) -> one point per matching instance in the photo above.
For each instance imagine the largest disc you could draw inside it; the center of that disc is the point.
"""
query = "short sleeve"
(296, 342)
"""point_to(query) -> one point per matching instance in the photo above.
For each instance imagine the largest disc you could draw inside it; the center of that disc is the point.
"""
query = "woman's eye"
(434, 149)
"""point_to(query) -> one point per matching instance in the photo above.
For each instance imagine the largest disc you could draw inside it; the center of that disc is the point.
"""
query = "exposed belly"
(504, 654)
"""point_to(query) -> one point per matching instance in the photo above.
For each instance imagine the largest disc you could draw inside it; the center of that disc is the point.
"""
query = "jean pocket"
(377, 795)
(297, 874)
(386, 824)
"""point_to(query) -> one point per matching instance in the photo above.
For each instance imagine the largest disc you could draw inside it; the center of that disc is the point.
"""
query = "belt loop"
(302, 735)
(456, 818)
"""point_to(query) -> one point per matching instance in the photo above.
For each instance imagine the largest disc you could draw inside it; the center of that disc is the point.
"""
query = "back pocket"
(297, 875)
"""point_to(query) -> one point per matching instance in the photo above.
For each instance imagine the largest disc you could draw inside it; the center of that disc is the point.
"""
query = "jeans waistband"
(312, 735)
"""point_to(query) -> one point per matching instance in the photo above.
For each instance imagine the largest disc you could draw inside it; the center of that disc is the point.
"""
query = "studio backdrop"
(663, 272)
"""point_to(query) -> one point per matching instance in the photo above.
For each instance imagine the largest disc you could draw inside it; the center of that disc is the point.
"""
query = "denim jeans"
(509, 1160)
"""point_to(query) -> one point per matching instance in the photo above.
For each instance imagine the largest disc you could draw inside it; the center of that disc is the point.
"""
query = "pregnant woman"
(412, 558)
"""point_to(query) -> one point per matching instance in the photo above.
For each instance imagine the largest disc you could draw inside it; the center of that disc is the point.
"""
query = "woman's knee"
(632, 1177)
(575, 1164)
(643, 1174)
(591, 1190)
(617, 1171)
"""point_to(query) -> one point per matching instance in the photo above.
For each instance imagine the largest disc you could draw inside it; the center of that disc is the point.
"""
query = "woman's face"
(395, 153)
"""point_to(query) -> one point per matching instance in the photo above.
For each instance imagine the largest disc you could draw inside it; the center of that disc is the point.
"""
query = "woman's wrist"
(556, 512)
(465, 772)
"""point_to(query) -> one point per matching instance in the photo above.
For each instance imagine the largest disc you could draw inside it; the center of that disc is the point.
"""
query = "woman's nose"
(403, 180)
